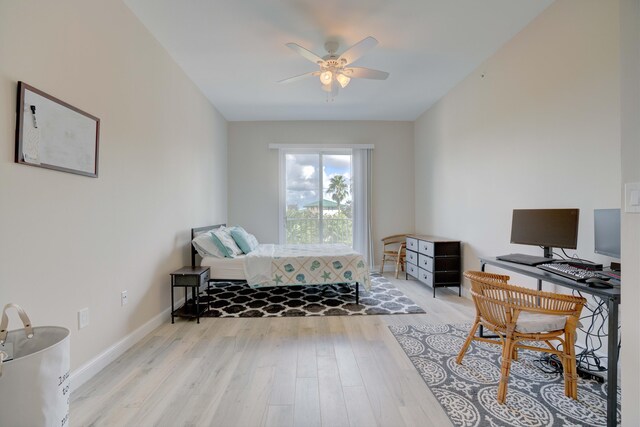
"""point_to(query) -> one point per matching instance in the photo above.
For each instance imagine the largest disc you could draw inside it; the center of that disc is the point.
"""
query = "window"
(325, 195)
(317, 197)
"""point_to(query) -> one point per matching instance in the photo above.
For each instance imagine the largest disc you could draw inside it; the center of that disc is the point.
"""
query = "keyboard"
(524, 259)
(570, 272)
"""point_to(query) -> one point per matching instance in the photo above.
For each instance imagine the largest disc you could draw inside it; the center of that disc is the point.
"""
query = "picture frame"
(53, 134)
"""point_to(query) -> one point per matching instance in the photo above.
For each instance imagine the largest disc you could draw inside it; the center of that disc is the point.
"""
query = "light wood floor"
(309, 371)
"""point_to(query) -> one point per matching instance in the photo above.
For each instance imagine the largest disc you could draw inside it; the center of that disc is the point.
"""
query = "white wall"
(630, 90)
(540, 130)
(543, 129)
(253, 171)
(70, 241)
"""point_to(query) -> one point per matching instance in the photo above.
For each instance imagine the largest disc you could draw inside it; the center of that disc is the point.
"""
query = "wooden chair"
(519, 314)
(393, 249)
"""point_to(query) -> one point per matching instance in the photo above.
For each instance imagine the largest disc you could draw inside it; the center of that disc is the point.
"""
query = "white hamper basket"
(34, 385)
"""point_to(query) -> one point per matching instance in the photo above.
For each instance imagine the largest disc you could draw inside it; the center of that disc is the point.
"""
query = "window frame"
(282, 202)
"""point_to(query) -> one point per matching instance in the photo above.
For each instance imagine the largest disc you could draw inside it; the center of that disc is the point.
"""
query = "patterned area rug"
(227, 299)
(468, 392)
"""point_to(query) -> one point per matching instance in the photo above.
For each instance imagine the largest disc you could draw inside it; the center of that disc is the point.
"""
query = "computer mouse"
(594, 282)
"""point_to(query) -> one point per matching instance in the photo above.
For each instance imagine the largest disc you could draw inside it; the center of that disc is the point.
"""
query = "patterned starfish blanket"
(295, 265)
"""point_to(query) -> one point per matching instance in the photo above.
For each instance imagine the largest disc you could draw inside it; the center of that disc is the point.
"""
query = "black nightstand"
(194, 278)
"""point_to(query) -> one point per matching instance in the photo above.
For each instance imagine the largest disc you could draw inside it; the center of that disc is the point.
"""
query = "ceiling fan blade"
(357, 50)
(300, 77)
(366, 73)
(305, 53)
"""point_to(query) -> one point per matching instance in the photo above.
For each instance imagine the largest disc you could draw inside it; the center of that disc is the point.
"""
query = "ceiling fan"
(335, 71)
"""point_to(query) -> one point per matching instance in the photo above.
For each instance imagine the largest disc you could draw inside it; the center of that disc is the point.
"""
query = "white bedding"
(225, 268)
(288, 265)
(294, 265)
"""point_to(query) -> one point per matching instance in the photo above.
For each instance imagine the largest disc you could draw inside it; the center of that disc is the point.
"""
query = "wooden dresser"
(434, 261)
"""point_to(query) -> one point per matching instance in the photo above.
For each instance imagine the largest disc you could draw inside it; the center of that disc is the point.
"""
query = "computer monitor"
(549, 228)
(606, 225)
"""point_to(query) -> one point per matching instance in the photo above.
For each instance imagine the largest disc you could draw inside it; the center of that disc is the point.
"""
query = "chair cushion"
(530, 323)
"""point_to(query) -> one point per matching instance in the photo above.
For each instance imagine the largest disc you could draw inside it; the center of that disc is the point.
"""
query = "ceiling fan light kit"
(343, 80)
(326, 77)
(334, 72)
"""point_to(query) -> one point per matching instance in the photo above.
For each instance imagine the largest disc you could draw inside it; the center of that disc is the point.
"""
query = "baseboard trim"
(87, 371)
(391, 270)
(388, 267)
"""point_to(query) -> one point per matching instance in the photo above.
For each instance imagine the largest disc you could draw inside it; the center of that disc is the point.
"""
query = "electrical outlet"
(83, 318)
(123, 298)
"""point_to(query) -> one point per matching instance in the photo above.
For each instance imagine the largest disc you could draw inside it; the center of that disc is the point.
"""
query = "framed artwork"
(54, 135)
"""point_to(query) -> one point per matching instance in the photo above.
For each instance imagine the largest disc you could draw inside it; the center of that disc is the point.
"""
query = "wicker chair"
(393, 249)
(519, 314)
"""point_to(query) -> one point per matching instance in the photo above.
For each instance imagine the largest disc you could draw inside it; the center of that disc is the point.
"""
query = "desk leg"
(612, 364)
(172, 308)
(196, 290)
(481, 328)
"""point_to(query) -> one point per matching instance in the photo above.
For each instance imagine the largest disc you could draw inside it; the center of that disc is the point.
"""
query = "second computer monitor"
(606, 224)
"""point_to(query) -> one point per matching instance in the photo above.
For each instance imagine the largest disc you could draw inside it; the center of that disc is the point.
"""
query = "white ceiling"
(235, 51)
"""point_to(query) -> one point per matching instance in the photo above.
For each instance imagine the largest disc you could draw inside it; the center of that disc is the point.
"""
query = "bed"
(288, 265)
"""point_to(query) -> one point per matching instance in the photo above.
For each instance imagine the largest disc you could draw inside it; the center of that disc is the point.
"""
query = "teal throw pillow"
(224, 242)
(245, 241)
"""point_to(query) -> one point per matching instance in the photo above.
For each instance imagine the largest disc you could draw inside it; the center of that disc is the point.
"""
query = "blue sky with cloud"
(302, 175)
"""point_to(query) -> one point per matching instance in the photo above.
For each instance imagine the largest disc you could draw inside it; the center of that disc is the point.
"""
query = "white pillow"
(203, 244)
(226, 245)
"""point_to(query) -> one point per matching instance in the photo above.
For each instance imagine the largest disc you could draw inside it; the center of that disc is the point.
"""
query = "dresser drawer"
(425, 262)
(412, 270)
(425, 277)
(425, 247)
(412, 257)
(412, 244)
